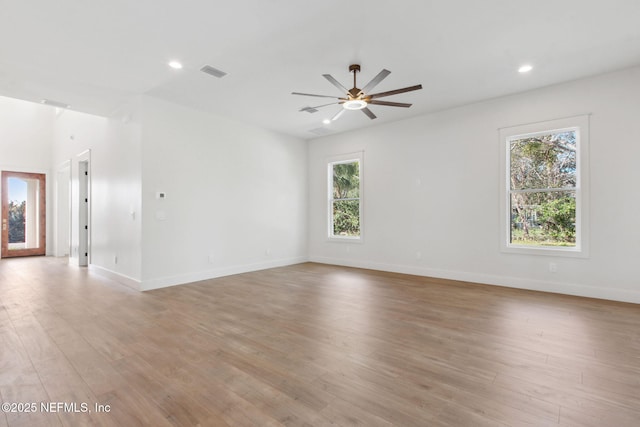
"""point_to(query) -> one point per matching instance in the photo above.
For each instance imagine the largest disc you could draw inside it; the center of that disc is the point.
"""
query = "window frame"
(342, 159)
(579, 124)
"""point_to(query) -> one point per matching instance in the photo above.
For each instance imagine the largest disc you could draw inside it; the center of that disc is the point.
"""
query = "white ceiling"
(97, 54)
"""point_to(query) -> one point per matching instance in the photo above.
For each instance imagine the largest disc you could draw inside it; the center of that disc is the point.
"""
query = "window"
(544, 198)
(345, 197)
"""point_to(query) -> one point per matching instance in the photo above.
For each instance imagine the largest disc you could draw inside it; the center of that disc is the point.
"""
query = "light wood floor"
(312, 345)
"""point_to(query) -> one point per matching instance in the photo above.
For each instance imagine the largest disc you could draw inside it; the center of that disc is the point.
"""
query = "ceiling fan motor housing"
(355, 93)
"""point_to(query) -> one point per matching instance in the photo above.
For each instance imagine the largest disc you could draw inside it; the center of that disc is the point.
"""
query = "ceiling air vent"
(55, 103)
(208, 69)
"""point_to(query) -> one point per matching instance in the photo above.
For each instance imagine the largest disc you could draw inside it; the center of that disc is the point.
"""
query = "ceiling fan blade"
(335, 83)
(314, 109)
(389, 104)
(311, 94)
(377, 79)
(395, 92)
(369, 113)
(337, 115)
(324, 105)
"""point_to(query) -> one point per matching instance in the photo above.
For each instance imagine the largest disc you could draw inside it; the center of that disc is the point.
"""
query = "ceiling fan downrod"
(354, 92)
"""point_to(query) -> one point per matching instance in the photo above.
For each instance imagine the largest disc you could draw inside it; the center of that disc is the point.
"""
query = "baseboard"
(117, 277)
(622, 295)
(181, 279)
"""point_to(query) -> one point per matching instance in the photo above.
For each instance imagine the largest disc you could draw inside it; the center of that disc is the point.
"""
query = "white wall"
(62, 204)
(114, 147)
(432, 184)
(25, 135)
(235, 196)
(25, 145)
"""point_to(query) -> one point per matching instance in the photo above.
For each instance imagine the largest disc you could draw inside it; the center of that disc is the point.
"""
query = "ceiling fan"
(359, 99)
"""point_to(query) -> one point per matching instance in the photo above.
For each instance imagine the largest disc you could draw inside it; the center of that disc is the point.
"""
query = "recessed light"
(525, 68)
(175, 65)
(326, 121)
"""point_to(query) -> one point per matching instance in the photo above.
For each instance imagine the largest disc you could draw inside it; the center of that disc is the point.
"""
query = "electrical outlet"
(115, 259)
(553, 267)
(211, 258)
(418, 255)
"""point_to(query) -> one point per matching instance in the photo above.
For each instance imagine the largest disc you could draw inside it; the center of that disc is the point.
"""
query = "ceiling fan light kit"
(358, 99)
(354, 104)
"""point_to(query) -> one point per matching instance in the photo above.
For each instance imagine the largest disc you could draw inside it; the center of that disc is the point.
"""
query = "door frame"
(80, 210)
(42, 214)
(84, 217)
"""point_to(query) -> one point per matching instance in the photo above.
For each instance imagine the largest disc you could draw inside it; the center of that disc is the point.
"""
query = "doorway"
(23, 214)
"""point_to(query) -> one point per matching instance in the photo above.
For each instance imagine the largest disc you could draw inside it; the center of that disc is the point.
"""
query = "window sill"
(574, 252)
(336, 239)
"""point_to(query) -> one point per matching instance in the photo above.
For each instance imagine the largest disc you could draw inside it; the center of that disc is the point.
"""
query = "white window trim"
(581, 123)
(330, 161)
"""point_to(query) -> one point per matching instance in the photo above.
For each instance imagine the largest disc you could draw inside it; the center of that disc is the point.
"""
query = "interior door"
(23, 214)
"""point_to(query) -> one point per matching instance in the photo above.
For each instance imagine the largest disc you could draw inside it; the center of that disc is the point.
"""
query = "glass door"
(23, 214)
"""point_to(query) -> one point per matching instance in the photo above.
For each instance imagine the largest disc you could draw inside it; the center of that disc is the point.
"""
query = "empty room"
(338, 213)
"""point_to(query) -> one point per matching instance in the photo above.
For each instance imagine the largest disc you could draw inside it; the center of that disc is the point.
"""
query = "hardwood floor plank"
(128, 407)
(342, 413)
(381, 402)
(14, 358)
(4, 316)
(496, 405)
(454, 415)
(593, 403)
(590, 418)
(278, 378)
(24, 386)
(20, 382)
(263, 398)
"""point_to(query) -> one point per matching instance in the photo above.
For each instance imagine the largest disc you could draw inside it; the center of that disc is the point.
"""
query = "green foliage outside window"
(346, 199)
(16, 221)
(543, 196)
